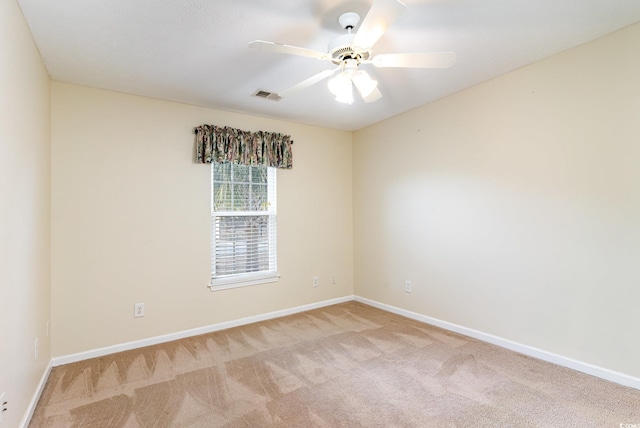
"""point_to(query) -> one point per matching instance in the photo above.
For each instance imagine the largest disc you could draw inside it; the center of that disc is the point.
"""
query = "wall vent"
(261, 93)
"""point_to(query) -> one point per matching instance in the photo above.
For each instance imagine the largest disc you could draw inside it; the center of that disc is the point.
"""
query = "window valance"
(225, 144)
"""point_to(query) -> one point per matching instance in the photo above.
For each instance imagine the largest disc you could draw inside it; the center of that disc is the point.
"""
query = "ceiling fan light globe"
(340, 84)
(345, 97)
(364, 83)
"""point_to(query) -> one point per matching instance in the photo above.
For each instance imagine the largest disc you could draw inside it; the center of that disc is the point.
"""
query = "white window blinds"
(243, 228)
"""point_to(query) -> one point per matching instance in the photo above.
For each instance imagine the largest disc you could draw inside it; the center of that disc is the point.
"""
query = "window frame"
(243, 279)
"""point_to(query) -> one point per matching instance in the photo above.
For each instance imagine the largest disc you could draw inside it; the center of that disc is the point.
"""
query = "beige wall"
(131, 220)
(24, 213)
(514, 206)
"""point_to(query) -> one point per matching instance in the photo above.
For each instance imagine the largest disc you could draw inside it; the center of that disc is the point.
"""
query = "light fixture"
(342, 85)
(364, 83)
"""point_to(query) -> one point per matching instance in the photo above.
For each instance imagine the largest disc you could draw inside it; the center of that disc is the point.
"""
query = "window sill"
(244, 281)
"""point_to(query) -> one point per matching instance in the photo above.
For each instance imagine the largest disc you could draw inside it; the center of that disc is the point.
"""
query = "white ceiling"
(195, 51)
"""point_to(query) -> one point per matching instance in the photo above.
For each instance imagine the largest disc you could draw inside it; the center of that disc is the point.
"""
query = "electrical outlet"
(3, 405)
(315, 281)
(407, 286)
(333, 279)
(35, 349)
(138, 310)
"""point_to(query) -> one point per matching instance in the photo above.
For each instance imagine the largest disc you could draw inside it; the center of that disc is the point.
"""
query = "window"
(243, 225)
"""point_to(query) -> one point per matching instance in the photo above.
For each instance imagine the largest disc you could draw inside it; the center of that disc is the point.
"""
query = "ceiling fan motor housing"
(341, 48)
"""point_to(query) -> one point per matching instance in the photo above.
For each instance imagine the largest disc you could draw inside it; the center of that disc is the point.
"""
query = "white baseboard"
(80, 356)
(26, 419)
(540, 354)
(587, 368)
(603, 373)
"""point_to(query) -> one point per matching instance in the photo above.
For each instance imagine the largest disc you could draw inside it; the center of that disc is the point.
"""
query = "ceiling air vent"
(260, 93)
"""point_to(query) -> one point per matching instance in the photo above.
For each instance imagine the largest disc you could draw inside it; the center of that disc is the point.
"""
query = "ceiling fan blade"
(381, 15)
(415, 60)
(308, 82)
(287, 49)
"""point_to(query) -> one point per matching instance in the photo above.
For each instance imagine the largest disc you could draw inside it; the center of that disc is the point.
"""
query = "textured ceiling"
(195, 51)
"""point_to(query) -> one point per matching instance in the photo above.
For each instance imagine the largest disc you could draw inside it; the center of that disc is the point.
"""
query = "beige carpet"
(347, 365)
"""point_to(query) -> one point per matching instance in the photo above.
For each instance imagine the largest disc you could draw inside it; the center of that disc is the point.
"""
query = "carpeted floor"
(348, 365)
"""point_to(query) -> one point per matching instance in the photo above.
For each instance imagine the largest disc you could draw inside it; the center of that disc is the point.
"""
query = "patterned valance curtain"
(216, 144)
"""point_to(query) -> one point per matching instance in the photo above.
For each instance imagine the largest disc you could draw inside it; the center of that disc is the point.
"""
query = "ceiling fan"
(352, 50)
